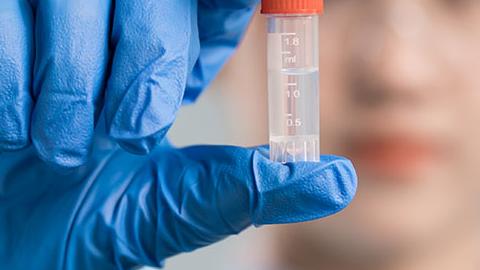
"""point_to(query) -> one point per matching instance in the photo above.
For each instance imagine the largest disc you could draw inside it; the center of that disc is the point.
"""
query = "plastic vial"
(293, 79)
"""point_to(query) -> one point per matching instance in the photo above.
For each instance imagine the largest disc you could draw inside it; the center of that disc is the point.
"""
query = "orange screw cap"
(292, 6)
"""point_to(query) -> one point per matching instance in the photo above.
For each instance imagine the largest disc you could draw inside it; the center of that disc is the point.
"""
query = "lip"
(395, 155)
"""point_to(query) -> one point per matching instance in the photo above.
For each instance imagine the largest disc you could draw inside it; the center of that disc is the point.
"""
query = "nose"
(390, 59)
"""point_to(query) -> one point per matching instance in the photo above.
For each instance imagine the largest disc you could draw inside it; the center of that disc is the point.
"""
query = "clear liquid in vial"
(294, 115)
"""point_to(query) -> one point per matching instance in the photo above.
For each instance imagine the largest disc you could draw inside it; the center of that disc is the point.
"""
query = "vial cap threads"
(292, 6)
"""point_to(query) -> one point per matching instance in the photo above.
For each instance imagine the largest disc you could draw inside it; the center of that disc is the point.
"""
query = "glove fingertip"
(60, 160)
(343, 171)
(13, 144)
(304, 191)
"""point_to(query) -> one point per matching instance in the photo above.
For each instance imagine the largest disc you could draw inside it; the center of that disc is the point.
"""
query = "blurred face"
(401, 98)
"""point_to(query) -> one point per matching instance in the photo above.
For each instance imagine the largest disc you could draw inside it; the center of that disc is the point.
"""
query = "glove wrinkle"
(151, 101)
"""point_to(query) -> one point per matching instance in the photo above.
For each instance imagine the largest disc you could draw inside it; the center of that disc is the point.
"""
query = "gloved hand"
(120, 211)
(57, 57)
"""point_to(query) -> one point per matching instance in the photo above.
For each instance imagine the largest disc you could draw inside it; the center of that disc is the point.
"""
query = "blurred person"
(400, 97)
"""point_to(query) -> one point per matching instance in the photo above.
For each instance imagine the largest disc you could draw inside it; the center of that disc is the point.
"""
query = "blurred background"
(400, 96)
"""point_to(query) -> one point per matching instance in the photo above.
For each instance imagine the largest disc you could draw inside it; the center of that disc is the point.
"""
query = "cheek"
(459, 47)
(461, 60)
(454, 47)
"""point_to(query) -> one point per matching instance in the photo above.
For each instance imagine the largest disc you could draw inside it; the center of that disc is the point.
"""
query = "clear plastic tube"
(293, 88)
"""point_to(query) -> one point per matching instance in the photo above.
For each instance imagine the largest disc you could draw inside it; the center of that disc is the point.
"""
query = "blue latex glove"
(145, 53)
(120, 211)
